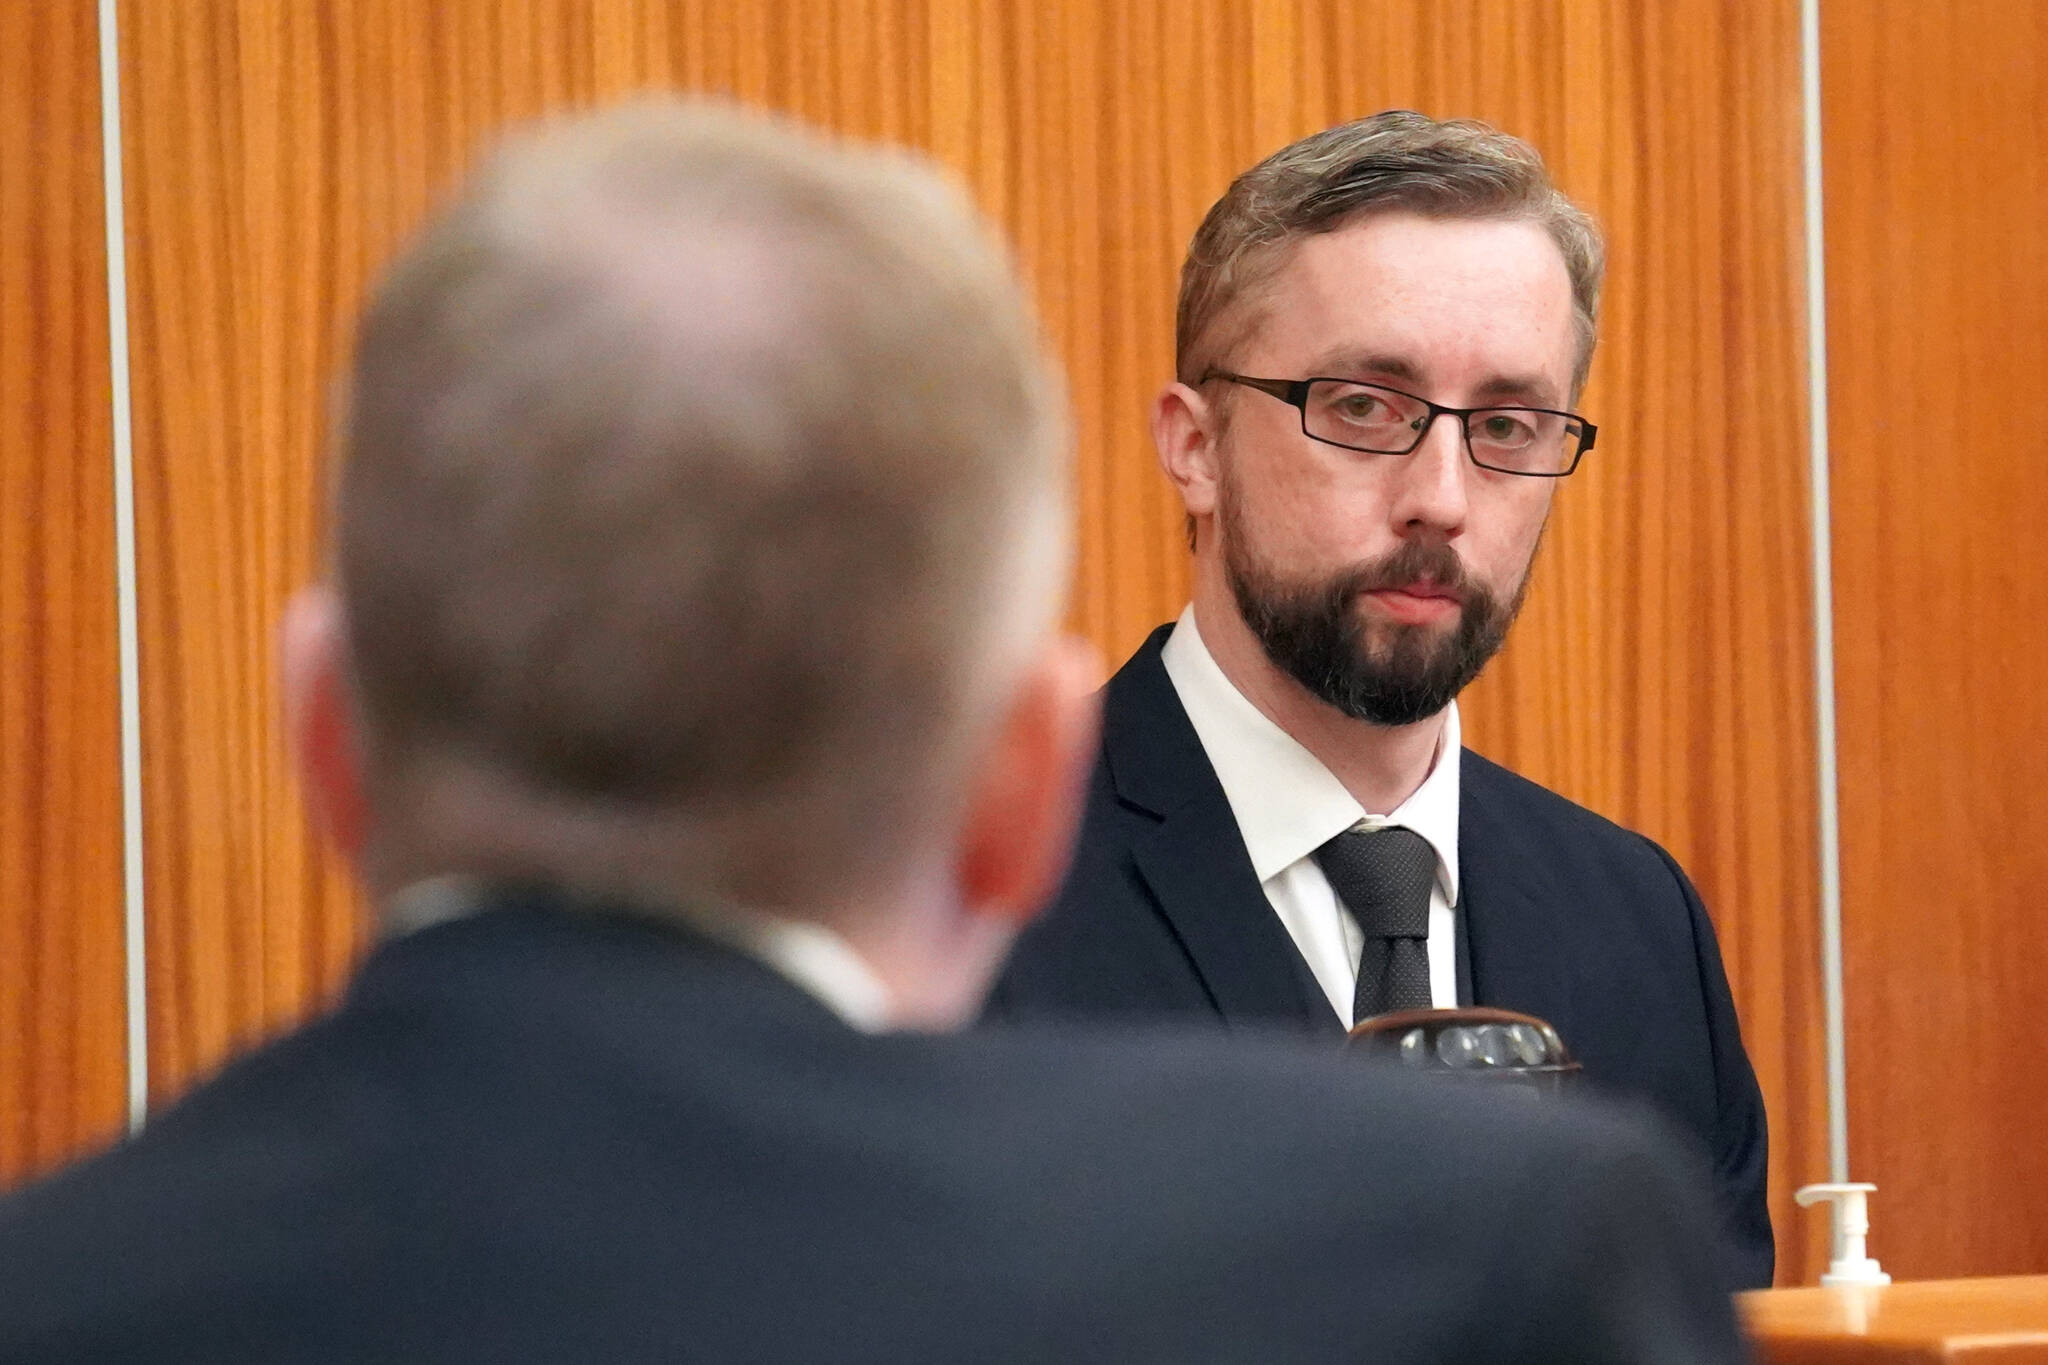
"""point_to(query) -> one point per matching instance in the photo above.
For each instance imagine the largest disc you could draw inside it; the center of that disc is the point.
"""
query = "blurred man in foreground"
(690, 698)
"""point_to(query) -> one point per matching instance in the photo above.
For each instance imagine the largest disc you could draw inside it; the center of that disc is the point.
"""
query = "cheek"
(1515, 525)
(1298, 508)
(1264, 494)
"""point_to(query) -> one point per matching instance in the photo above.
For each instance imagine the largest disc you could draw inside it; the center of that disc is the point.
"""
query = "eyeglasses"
(1539, 443)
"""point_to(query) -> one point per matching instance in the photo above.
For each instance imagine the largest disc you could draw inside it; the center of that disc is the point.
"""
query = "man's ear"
(320, 719)
(1025, 807)
(1184, 435)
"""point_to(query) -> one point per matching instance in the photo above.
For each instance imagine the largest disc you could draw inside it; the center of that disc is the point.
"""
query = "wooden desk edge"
(1982, 1321)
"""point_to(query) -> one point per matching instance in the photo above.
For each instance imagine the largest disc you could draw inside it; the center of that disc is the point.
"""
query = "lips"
(1422, 588)
(1416, 603)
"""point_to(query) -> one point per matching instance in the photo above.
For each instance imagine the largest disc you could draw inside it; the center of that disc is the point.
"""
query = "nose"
(1430, 493)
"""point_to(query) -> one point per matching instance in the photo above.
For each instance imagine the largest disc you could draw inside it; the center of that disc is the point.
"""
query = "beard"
(1385, 672)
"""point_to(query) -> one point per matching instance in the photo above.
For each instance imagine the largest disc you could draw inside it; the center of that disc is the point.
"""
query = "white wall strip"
(125, 574)
(1823, 607)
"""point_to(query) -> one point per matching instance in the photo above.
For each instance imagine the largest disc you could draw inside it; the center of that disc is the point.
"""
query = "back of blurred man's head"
(701, 508)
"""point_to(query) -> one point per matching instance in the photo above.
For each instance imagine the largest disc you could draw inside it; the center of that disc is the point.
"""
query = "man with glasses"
(1382, 332)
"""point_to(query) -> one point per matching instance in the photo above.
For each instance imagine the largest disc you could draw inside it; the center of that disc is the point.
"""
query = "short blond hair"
(1393, 161)
(698, 477)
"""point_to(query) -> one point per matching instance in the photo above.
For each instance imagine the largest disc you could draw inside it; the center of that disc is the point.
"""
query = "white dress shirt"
(1288, 805)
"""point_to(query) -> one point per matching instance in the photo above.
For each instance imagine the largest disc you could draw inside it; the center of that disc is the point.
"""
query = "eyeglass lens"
(1367, 417)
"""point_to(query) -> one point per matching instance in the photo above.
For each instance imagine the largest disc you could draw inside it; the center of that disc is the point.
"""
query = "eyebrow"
(1508, 389)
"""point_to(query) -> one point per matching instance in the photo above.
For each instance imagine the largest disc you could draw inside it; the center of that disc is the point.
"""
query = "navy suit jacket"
(550, 1134)
(1562, 914)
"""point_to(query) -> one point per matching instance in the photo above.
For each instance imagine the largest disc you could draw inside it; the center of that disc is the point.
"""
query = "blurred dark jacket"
(537, 1133)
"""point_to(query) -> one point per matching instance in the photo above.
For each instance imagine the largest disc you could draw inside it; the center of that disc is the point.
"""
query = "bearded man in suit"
(690, 696)
(1382, 331)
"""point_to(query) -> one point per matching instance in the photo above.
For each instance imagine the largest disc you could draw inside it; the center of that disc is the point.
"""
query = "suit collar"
(810, 956)
(1155, 760)
(1287, 803)
(517, 949)
(1194, 861)
(1515, 921)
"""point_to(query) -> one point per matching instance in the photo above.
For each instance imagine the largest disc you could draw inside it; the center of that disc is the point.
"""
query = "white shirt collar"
(1287, 804)
(814, 959)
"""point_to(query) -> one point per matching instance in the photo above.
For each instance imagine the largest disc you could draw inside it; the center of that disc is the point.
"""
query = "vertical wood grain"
(277, 153)
(1937, 291)
(1662, 673)
(239, 246)
(63, 1072)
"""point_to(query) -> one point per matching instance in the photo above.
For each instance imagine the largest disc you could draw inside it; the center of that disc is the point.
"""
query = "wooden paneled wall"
(63, 1045)
(276, 154)
(1938, 295)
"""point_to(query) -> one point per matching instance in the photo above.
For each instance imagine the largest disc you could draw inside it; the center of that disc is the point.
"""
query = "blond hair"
(1392, 161)
(700, 478)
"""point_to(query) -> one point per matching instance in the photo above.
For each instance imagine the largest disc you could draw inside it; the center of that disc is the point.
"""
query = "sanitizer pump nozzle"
(1852, 1263)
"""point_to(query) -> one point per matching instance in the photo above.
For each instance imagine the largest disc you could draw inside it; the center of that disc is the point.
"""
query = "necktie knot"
(1384, 876)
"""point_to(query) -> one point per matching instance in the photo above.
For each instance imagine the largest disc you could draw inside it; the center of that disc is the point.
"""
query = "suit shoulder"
(1547, 816)
(1312, 1164)
(133, 1235)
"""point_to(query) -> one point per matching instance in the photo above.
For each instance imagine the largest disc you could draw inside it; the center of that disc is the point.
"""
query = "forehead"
(1452, 303)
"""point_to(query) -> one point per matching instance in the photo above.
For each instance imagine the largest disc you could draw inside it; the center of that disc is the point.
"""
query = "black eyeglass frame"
(1294, 393)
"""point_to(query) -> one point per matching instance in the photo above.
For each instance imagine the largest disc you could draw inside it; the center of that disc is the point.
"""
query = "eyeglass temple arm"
(1293, 391)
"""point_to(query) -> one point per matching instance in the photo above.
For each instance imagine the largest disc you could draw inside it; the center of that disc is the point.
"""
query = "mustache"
(1416, 561)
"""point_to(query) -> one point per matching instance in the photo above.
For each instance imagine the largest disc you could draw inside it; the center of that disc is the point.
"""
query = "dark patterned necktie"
(1384, 876)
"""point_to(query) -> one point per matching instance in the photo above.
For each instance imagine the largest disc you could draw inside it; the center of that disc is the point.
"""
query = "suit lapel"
(1517, 935)
(1194, 862)
(1197, 870)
